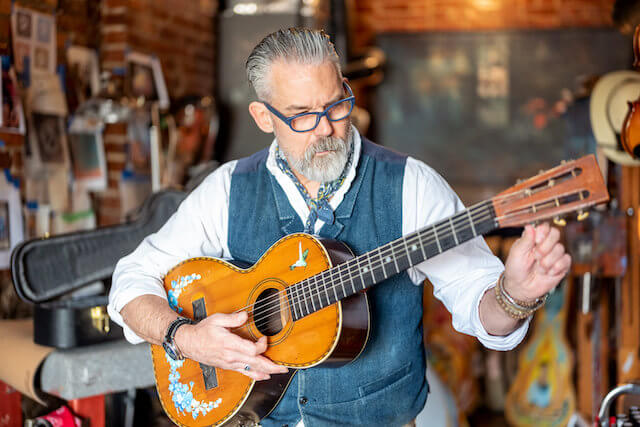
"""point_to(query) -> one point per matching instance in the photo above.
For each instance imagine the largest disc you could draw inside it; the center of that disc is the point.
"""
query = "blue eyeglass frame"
(289, 120)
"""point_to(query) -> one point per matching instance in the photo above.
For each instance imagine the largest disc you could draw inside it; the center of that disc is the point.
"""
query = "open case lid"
(45, 269)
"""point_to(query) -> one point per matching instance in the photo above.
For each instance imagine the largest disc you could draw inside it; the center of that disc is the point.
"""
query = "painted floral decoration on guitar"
(177, 287)
(182, 395)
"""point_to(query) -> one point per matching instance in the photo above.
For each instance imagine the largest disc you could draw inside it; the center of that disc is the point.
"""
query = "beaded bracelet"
(515, 308)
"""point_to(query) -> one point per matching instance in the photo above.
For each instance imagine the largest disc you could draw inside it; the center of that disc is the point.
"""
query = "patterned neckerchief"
(319, 208)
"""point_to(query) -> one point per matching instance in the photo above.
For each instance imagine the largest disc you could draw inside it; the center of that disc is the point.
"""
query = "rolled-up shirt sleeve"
(197, 228)
(461, 275)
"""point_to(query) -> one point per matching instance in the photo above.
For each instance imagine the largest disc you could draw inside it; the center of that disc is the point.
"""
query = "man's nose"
(324, 128)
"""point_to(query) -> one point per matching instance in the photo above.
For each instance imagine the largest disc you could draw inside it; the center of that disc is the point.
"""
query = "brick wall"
(181, 34)
(376, 16)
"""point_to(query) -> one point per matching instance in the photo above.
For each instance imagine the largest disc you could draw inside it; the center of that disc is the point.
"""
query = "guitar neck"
(364, 271)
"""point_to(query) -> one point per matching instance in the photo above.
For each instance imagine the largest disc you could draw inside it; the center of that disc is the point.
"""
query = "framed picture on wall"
(49, 139)
(83, 75)
(144, 79)
(86, 147)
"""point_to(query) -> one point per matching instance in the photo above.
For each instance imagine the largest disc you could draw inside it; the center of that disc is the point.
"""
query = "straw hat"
(608, 108)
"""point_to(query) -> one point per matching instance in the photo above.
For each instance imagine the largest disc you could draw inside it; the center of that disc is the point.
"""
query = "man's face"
(320, 154)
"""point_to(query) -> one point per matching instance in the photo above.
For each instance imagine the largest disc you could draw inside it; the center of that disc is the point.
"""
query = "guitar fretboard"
(364, 271)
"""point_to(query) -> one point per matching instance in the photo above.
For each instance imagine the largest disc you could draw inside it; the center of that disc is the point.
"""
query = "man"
(322, 177)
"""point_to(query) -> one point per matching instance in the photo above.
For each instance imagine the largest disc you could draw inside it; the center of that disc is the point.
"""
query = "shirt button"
(303, 400)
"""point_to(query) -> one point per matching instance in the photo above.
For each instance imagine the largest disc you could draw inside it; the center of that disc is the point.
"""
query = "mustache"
(329, 143)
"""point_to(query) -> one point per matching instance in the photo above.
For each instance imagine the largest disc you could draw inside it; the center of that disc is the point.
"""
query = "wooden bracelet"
(515, 308)
(539, 302)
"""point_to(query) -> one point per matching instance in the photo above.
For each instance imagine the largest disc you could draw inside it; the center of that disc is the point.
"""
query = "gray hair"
(292, 45)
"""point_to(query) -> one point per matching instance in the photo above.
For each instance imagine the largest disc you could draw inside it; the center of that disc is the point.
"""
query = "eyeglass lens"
(309, 121)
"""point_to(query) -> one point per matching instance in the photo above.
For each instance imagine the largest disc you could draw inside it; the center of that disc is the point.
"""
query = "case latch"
(100, 319)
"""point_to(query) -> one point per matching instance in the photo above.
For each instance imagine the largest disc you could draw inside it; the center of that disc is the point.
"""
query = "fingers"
(541, 232)
(548, 260)
(228, 320)
(561, 267)
(546, 240)
(258, 364)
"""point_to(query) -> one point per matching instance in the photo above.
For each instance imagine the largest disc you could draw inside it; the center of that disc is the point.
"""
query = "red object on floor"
(10, 406)
(91, 408)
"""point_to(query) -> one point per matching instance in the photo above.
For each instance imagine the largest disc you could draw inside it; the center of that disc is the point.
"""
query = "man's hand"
(536, 263)
(211, 342)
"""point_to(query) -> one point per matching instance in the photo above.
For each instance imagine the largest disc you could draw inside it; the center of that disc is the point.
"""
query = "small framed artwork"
(144, 79)
(86, 147)
(50, 145)
(12, 113)
(34, 37)
(83, 73)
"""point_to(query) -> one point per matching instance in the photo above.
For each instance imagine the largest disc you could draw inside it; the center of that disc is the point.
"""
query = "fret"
(302, 299)
(419, 233)
(465, 232)
(435, 233)
(360, 270)
(393, 255)
(344, 291)
(304, 296)
(296, 299)
(313, 303)
(326, 292)
(334, 286)
(369, 269)
(453, 231)
(384, 271)
(292, 304)
(406, 249)
(473, 228)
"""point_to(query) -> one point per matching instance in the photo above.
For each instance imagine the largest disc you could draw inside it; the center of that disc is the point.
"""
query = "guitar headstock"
(573, 186)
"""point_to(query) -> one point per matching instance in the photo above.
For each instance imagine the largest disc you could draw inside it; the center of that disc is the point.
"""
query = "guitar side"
(195, 395)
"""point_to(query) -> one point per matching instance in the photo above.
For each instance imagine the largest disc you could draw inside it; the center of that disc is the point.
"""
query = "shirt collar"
(293, 195)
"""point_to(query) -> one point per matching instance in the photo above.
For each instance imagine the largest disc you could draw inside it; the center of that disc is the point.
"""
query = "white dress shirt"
(460, 276)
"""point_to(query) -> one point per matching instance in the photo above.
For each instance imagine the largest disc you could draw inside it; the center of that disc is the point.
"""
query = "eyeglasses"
(305, 122)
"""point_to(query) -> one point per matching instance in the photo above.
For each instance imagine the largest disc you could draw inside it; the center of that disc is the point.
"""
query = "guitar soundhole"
(266, 314)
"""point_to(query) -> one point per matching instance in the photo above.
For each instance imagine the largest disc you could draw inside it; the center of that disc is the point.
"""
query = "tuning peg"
(562, 162)
(560, 222)
(541, 171)
(582, 215)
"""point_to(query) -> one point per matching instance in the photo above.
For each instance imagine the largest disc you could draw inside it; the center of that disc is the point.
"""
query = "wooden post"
(628, 360)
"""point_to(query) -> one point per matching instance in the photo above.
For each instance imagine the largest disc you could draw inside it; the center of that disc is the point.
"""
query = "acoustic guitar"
(306, 295)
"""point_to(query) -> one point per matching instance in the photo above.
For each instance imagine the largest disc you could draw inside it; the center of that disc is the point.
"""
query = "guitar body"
(197, 395)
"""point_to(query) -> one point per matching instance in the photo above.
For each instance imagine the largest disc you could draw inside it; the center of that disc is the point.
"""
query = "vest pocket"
(382, 383)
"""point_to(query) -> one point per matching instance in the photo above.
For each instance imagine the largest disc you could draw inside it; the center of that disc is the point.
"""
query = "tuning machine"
(559, 221)
(582, 215)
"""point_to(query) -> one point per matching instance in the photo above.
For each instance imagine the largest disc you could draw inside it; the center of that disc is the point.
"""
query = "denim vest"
(385, 385)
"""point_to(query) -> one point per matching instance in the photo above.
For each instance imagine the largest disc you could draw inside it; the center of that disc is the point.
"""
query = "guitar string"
(440, 228)
(276, 308)
(300, 292)
(307, 293)
(391, 248)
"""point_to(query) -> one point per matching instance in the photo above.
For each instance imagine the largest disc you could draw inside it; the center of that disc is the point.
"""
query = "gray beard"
(328, 167)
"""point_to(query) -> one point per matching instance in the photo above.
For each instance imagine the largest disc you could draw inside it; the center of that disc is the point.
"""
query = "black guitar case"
(46, 271)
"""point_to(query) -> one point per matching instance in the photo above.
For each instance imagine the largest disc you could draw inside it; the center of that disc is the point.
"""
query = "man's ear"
(261, 116)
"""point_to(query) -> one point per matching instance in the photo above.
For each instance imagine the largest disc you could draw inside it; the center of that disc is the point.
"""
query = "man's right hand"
(211, 342)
